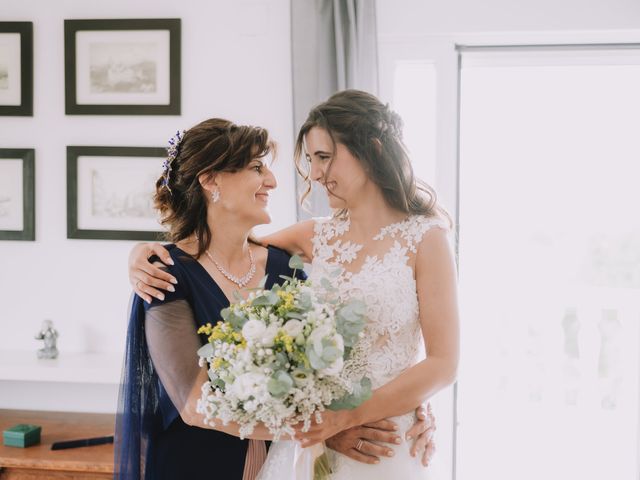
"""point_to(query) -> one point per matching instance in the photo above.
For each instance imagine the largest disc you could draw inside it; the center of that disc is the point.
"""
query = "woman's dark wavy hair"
(373, 134)
(214, 145)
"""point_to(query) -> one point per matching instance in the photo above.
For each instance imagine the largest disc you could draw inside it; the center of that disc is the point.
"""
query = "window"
(549, 260)
(414, 99)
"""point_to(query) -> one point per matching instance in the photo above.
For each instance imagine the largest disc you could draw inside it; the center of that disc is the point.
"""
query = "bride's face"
(335, 168)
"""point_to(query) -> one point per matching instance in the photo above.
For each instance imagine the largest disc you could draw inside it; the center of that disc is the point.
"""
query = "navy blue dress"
(152, 441)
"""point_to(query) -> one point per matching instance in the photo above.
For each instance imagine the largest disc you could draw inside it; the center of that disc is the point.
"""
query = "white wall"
(419, 17)
(235, 64)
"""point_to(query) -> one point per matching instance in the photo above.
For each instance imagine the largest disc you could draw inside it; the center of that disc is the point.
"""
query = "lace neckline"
(390, 229)
(405, 236)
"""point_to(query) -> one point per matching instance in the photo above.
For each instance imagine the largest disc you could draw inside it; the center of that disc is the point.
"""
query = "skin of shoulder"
(295, 239)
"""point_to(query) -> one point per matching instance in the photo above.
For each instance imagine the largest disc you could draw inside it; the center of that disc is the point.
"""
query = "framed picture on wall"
(16, 68)
(122, 67)
(17, 194)
(110, 192)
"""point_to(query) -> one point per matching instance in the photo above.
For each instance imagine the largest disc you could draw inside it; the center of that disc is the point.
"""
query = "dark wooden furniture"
(39, 461)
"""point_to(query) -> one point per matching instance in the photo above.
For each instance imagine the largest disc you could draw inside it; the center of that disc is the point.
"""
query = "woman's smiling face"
(335, 167)
(245, 193)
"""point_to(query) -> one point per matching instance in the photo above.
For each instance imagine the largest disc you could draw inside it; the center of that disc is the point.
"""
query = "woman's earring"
(215, 195)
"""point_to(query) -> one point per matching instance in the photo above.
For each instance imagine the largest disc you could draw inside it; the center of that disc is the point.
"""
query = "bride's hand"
(333, 422)
(144, 276)
(358, 442)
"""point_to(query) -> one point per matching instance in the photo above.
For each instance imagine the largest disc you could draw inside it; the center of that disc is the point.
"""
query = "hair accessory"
(172, 152)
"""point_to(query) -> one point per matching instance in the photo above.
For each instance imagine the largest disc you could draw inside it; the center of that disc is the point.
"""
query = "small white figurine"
(49, 335)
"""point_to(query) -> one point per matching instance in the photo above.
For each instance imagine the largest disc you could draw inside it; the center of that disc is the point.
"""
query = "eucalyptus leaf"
(296, 263)
(361, 393)
(206, 350)
(218, 383)
(327, 285)
(314, 359)
(237, 320)
(279, 384)
(237, 296)
(350, 321)
(304, 300)
(267, 298)
(331, 354)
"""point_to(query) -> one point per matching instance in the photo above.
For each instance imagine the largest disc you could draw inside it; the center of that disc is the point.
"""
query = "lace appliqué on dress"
(386, 283)
(326, 229)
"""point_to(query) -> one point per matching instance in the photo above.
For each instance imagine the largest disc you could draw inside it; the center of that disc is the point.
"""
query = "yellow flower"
(217, 363)
(206, 329)
(287, 299)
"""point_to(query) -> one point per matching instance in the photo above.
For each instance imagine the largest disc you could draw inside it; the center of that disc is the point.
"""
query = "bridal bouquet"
(278, 356)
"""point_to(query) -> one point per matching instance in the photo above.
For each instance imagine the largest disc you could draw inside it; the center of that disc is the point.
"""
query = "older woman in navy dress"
(213, 191)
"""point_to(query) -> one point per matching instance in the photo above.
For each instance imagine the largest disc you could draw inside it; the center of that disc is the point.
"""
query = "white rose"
(253, 330)
(334, 369)
(268, 335)
(248, 385)
(318, 335)
(293, 328)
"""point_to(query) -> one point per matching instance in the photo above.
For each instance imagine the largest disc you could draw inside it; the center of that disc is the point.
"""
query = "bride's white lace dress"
(381, 274)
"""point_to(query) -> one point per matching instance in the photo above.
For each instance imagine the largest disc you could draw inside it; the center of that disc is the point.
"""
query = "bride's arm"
(295, 239)
(436, 288)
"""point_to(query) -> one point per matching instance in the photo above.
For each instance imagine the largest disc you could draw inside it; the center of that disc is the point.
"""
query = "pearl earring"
(215, 196)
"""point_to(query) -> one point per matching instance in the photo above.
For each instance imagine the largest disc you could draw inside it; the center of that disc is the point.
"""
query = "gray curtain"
(333, 47)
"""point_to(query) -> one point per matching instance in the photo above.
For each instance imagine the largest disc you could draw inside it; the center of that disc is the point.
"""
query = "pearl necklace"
(242, 281)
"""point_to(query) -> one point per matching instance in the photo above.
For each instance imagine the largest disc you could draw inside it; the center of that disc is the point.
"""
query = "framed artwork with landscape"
(16, 68)
(110, 192)
(122, 67)
(17, 194)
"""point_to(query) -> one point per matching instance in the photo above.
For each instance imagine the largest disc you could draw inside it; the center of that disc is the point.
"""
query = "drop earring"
(215, 196)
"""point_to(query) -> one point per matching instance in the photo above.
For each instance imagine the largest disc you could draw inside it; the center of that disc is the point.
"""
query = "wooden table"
(40, 462)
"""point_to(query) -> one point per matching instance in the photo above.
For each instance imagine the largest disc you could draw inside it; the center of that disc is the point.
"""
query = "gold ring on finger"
(359, 444)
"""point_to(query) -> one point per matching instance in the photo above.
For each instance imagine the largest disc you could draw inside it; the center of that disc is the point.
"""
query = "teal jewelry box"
(22, 435)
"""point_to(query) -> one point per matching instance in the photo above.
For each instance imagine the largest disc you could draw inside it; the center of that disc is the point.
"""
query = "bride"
(388, 241)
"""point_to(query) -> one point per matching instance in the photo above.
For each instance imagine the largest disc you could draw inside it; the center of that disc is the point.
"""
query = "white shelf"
(98, 368)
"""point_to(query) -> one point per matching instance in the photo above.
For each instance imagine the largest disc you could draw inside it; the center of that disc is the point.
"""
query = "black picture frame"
(27, 155)
(71, 29)
(25, 30)
(73, 154)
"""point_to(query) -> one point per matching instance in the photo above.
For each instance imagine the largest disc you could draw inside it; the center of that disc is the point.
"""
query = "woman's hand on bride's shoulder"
(147, 278)
(359, 444)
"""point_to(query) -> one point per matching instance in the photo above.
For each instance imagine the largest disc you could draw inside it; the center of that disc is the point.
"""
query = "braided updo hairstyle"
(372, 132)
(214, 145)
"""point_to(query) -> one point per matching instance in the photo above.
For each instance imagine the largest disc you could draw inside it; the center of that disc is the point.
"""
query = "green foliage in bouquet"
(277, 356)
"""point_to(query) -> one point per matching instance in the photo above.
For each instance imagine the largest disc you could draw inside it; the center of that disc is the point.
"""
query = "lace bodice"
(386, 283)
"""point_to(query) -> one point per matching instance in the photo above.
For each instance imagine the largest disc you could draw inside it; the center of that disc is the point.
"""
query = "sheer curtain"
(334, 47)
